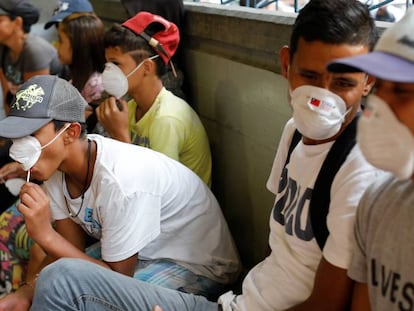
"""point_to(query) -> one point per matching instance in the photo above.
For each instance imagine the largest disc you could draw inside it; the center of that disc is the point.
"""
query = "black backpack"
(319, 204)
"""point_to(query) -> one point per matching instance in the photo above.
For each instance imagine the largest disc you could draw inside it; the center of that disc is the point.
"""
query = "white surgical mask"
(27, 150)
(318, 113)
(385, 142)
(115, 82)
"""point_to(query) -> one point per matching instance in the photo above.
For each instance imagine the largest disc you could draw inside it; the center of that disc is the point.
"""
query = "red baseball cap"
(164, 42)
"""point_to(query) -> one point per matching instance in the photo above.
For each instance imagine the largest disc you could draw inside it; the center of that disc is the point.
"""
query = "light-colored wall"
(232, 67)
(244, 109)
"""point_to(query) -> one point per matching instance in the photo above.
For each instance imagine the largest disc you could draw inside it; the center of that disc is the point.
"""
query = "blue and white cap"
(67, 7)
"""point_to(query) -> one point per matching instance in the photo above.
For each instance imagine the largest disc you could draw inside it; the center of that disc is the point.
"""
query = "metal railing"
(296, 5)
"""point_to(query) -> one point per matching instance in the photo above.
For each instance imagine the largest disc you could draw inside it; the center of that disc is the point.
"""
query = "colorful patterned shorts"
(171, 275)
(15, 247)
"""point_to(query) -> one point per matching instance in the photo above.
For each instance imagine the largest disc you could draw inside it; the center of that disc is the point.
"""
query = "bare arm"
(360, 297)
(67, 239)
(332, 290)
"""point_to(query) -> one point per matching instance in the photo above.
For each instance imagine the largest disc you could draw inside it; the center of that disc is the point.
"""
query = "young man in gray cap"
(134, 200)
(382, 264)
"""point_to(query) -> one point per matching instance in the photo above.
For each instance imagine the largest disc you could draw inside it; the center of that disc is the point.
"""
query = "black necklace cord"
(85, 184)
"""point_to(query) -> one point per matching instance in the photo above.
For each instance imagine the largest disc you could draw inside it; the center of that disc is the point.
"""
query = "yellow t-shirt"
(172, 127)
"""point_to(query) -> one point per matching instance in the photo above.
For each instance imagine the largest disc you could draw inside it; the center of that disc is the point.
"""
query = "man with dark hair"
(22, 55)
(316, 194)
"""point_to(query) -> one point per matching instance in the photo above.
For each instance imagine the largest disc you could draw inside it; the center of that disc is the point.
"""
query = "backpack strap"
(321, 197)
(295, 140)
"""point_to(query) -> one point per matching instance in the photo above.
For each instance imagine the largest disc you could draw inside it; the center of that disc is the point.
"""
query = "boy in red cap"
(138, 53)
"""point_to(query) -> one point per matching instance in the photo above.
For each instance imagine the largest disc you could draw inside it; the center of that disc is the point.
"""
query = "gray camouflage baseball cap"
(40, 100)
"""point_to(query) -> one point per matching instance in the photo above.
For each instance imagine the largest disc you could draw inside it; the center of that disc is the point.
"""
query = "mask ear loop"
(44, 146)
(56, 137)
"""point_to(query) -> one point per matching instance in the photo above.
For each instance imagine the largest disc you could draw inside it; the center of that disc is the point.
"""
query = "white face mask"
(115, 82)
(27, 150)
(385, 142)
(318, 113)
(14, 185)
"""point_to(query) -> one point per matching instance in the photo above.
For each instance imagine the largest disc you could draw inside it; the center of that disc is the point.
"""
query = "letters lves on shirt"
(391, 286)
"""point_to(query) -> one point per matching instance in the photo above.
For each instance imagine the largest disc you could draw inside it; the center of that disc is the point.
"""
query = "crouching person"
(155, 219)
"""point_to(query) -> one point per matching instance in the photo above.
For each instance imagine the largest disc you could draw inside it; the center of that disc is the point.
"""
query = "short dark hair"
(128, 41)
(60, 124)
(334, 22)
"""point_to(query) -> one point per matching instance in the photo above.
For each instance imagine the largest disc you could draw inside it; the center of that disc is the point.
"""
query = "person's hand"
(18, 301)
(34, 205)
(157, 308)
(113, 115)
(11, 170)
(88, 111)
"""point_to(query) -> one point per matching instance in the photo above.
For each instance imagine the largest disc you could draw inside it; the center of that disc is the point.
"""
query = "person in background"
(81, 48)
(22, 55)
(156, 220)
(137, 53)
(299, 273)
(173, 11)
(63, 9)
(85, 57)
(383, 253)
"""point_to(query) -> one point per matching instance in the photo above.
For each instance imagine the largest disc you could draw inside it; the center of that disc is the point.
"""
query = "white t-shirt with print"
(285, 278)
(140, 200)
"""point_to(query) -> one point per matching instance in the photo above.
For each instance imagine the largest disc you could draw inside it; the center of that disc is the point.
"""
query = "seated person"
(154, 117)
(156, 220)
(383, 251)
(80, 47)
